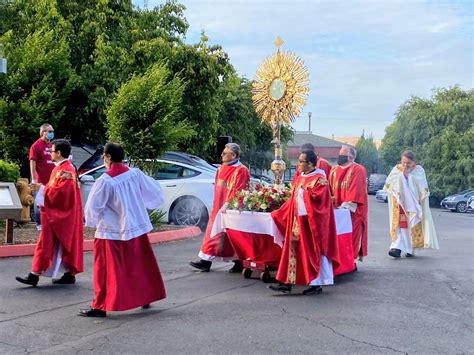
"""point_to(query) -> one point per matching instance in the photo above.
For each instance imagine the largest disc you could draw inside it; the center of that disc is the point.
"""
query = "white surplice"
(115, 220)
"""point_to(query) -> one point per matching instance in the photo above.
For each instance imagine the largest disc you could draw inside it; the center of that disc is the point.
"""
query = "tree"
(144, 115)
(40, 77)
(367, 154)
(441, 132)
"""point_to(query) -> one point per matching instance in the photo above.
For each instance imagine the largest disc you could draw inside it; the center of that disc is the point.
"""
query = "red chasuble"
(350, 185)
(229, 180)
(324, 165)
(61, 221)
(308, 237)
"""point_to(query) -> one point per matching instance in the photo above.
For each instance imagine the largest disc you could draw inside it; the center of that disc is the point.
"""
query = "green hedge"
(9, 172)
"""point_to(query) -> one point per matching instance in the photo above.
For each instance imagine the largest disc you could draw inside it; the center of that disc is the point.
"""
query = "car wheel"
(461, 207)
(191, 212)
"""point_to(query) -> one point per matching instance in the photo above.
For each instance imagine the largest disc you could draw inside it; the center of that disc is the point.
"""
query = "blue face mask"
(50, 136)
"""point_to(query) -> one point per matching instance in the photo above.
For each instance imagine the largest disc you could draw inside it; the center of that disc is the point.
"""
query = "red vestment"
(229, 180)
(126, 273)
(307, 237)
(350, 185)
(62, 221)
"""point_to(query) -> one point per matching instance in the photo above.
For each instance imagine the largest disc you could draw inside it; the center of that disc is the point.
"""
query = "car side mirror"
(87, 179)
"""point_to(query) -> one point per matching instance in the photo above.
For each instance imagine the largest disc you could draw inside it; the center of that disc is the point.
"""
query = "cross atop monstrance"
(279, 42)
(280, 90)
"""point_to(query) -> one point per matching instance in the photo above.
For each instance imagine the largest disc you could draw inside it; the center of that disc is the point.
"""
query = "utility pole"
(309, 117)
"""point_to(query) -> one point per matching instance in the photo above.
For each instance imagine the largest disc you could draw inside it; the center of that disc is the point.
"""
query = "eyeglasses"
(226, 153)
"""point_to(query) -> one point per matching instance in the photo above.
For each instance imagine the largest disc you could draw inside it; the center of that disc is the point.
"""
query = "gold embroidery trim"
(395, 219)
(417, 236)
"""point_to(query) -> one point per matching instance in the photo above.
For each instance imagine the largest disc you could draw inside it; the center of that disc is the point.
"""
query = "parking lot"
(421, 305)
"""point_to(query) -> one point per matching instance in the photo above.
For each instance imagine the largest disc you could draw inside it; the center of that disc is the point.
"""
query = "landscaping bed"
(28, 234)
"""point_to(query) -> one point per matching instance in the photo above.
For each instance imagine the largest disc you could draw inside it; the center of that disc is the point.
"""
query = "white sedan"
(188, 190)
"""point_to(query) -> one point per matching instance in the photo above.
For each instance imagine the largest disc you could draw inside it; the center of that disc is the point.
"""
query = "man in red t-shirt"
(41, 164)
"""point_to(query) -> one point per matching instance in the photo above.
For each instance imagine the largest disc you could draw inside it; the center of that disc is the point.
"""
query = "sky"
(364, 58)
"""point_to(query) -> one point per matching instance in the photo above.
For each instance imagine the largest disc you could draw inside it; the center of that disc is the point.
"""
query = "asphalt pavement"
(415, 305)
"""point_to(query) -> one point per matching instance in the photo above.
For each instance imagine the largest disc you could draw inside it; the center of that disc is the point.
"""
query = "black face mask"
(342, 159)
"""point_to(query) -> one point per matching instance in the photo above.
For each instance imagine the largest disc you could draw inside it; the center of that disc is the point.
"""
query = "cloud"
(365, 58)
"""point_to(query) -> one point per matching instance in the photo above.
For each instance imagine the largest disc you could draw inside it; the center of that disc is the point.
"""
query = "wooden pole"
(9, 231)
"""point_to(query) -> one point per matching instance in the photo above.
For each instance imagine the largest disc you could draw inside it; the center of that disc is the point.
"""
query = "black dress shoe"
(280, 288)
(146, 306)
(313, 290)
(396, 253)
(202, 265)
(237, 268)
(66, 279)
(31, 279)
(92, 312)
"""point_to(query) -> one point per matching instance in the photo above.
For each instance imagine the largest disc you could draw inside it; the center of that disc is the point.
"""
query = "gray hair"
(352, 150)
(234, 147)
(44, 127)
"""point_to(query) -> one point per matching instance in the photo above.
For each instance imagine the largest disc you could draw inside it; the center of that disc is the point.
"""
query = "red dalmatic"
(61, 221)
(229, 180)
(350, 185)
(307, 237)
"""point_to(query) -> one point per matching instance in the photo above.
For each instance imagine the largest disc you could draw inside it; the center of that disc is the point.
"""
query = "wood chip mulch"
(28, 234)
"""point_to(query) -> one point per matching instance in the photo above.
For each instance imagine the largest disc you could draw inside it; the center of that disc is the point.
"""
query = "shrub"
(9, 172)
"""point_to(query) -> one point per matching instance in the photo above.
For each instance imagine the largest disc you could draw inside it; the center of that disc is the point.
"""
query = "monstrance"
(279, 91)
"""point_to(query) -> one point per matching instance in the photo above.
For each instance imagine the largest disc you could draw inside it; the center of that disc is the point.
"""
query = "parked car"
(188, 190)
(470, 204)
(96, 160)
(375, 183)
(457, 202)
(262, 179)
(381, 195)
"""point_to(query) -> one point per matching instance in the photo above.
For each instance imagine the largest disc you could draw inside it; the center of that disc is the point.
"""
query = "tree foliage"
(75, 63)
(40, 77)
(367, 154)
(144, 116)
(441, 132)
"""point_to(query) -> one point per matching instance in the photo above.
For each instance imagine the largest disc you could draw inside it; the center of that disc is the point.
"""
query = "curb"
(155, 238)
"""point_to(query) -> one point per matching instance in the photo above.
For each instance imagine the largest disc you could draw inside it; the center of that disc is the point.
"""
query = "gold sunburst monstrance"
(280, 89)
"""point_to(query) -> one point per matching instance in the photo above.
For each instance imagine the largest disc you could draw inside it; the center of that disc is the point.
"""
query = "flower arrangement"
(260, 199)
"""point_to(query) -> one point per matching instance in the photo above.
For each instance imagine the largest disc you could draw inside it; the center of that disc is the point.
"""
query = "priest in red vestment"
(60, 245)
(321, 163)
(310, 249)
(348, 181)
(126, 273)
(231, 177)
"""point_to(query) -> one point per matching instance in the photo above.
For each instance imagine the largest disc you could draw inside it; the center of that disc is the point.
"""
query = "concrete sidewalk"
(157, 237)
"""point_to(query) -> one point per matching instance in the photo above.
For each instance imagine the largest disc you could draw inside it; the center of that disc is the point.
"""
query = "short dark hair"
(115, 151)
(63, 146)
(409, 154)
(307, 146)
(310, 156)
